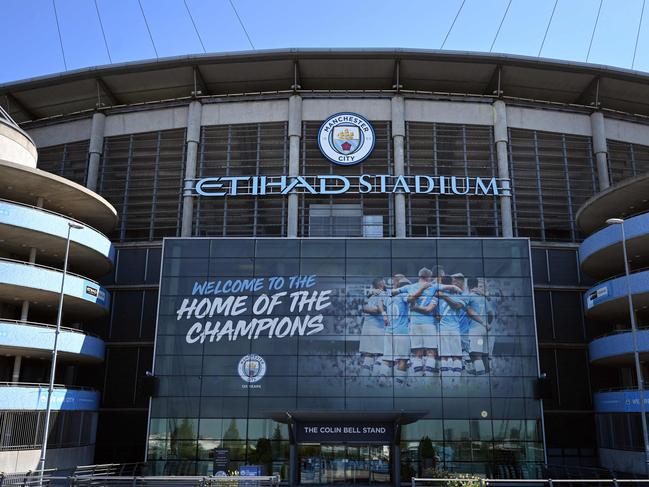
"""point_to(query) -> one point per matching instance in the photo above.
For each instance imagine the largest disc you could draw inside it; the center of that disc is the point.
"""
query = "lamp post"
(55, 351)
(636, 353)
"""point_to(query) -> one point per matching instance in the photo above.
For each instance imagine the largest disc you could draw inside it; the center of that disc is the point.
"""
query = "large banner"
(341, 319)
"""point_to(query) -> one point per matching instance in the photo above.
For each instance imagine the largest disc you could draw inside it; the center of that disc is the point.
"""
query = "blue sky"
(29, 42)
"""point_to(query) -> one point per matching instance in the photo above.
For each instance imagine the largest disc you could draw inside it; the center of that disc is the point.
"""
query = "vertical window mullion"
(537, 167)
(466, 175)
(566, 174)
(154, 193)
(228, 162)
(255, 216)
(436, 172)
(122, 231)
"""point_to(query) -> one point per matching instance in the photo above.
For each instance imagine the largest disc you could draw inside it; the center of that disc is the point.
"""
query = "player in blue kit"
(481, 318)
(375, 320)
(396, 349)
(423, 324)
(450, 340)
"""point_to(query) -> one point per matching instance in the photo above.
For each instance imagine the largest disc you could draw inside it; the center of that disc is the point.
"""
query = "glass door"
(344, 464)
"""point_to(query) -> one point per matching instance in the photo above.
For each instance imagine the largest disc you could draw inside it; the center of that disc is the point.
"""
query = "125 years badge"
(252, 368)
(346, 138)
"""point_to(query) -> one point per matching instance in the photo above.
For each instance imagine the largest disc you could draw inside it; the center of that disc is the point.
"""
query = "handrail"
(55, 214)
(617, 276)
(48, 325)
(622, 388)
(44, 385)
(6, 118)
(617, 332)
(4, 259)
(549, 482)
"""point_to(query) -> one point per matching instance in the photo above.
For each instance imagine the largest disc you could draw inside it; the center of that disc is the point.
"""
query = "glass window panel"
(563, 267)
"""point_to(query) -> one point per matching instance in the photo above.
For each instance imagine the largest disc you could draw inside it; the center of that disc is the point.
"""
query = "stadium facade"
(338, 265)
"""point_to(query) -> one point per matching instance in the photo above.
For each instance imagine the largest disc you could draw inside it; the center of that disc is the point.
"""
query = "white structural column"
(294, 136)
(95, 149)
(398, 137)
(501, 140)
(194, 114)
(24, 309)
(600, 148)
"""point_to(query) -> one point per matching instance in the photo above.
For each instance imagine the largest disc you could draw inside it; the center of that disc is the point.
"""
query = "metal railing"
(47, 325)
(479, 482)
(92, 477)
(53, 213)
(6, 118)
(49, 268)
(172, 481)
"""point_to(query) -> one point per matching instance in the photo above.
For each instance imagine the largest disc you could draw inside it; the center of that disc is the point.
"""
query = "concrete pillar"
(24, 309)
(294, 137)
(15, 375)
(600, 148)
(95, 149)
(194, 114)
(396, 464)
(398, 137)
(501, 140)
(292, 465)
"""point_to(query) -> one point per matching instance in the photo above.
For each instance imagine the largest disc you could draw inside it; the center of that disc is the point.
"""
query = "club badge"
(346, 138)
(252, 368)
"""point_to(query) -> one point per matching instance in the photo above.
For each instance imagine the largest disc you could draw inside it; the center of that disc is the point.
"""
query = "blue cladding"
(35, 398)
(619, 402)
(615, 289)
(612, 235)
(618, 344)
(42, 338)
(49, 280)
(52, 224)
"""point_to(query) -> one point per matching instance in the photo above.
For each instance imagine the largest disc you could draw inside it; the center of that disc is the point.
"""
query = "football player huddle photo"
(430, 325)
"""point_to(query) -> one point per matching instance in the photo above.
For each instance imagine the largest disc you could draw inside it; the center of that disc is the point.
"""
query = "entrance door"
(344, 464)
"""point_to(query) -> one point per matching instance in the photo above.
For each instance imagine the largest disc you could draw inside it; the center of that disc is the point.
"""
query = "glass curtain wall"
(224, 372)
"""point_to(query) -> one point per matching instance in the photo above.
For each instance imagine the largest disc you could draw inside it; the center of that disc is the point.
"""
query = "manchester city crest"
(252, 368)
(346, 138)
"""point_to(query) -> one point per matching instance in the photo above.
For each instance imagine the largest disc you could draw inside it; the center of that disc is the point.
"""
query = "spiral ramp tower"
(612, 351)
(37, 210)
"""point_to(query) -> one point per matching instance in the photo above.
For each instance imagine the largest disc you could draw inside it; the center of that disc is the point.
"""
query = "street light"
(55, 351)
(636, 353)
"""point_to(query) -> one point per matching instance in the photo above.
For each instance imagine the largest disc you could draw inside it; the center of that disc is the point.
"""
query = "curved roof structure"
(466, 73)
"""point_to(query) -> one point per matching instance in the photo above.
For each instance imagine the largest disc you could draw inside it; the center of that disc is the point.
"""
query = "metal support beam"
(397, 105)
(108, 94)
(14, 104)
(294, 136)
(590, 96)
(95, 149)
(501, 140)
(200, 87)
(600, 148)
(297, 81)
(494, 87)
(194, 115)
(396, 77)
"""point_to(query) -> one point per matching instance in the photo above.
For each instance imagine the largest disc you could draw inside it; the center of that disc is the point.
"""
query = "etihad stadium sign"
(347, 139)
(331, 184)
